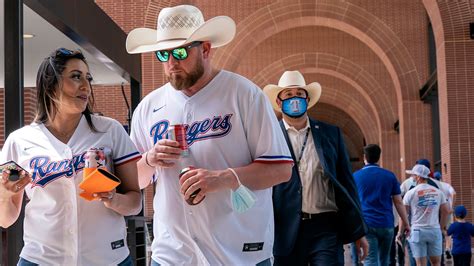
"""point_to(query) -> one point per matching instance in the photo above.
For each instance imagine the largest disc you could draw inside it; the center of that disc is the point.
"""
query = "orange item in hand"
(87, 171)
(100, 180)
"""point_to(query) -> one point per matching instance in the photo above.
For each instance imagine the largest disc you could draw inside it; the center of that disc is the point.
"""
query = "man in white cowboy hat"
(233, 142)
(318, 208)
(426, 204)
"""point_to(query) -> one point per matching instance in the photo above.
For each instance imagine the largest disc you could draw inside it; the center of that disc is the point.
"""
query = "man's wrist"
(234, 181)
(146, 160)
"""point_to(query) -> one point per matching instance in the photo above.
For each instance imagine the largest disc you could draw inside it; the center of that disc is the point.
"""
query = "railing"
(136, 238)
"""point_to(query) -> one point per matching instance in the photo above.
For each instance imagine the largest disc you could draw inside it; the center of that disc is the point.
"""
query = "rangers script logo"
(208, 128)
(46, 171)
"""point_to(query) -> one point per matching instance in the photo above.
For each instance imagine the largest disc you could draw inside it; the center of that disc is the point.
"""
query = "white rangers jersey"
(230, 123)
(61, 228)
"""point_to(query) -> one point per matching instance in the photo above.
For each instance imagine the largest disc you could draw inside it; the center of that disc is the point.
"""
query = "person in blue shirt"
(378, 189)
(461, 232)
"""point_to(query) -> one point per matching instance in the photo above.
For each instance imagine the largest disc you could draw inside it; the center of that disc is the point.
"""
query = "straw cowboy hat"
(181, 25)
(292, 79)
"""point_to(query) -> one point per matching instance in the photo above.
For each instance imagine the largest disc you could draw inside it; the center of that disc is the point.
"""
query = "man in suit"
(318, 209)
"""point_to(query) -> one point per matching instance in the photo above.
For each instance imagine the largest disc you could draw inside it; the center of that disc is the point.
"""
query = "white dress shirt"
(318, 191)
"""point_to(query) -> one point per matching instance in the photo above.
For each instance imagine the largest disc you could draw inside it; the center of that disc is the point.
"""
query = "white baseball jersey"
(61, 228)
(230, 123)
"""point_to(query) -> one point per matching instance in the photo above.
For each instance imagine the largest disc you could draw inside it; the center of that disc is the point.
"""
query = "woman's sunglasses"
(65, 53)
(179, 53)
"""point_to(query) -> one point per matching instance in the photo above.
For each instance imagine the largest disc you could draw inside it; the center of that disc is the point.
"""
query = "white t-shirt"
(61, 228)
(318, 191)
(406, 185)
(424, 201)
(410, 183)
(230, 124)
(448, 191)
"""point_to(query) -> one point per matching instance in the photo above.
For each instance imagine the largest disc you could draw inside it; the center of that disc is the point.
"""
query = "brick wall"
(455, 60)
(110, 101)
(29, 103)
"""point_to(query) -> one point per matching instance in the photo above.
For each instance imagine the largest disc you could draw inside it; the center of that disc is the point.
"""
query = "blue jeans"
(22, 262)
(354, 256)
(380, 242)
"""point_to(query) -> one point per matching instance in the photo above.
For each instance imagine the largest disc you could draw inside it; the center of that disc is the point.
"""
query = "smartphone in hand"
(14, 168)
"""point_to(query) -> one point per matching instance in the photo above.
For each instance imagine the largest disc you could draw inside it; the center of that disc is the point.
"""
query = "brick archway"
(364, 84)
(365, 110)
(455, 61)
(352, 101)
(353, 136)
(359, 96)
(346, 17)
(357, 22)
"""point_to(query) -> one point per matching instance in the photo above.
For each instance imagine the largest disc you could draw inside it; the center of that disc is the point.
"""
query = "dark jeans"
(380, 242)
(22, 262)
(462, 259)
(266, 262)
(393, 249)
(316, 243)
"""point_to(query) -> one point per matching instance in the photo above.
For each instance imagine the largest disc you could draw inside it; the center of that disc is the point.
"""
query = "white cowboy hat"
(180, 25)
(292, 79)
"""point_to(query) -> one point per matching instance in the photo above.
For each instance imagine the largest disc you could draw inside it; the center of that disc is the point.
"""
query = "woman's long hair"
(49, 82)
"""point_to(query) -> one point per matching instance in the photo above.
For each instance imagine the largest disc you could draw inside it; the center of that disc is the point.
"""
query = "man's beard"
(183, 80)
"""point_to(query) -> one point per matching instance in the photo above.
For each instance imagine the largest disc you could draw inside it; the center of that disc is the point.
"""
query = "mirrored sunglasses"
(179, 53)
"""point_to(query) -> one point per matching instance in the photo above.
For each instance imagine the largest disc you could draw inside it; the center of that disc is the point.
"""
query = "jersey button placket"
(187, 114)
(70, 207)
(73, 230)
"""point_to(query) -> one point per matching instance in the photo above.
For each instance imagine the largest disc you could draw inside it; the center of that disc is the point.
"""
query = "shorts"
(426, 242)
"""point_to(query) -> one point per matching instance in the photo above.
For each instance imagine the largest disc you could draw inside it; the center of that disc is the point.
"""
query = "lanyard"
(302, 147)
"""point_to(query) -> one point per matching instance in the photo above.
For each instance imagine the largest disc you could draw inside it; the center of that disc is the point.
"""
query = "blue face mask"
(294, 107)
(242, 199)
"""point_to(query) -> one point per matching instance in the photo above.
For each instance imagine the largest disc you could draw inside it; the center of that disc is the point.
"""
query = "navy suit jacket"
(287, 197)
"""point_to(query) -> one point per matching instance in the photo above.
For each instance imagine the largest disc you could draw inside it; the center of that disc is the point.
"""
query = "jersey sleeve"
(265, 139)
(124, 149)
(138, 132)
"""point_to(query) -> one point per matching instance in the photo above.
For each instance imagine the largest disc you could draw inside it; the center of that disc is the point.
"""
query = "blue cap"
(424, 162)
(460, 211)
(437, 175)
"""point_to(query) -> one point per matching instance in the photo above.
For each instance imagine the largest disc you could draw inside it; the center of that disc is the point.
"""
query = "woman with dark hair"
(61, 228)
